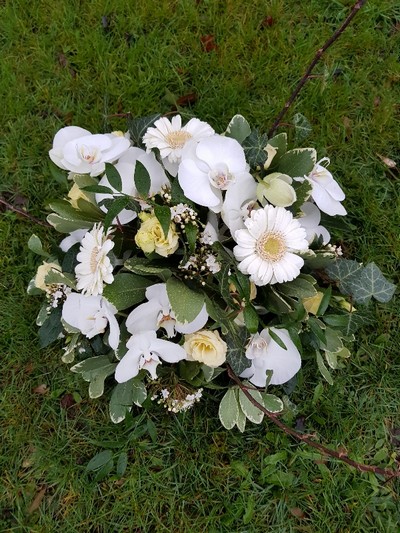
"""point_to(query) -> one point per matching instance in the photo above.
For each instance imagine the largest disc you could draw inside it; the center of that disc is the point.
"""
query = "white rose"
(79, 151)
(206, 347)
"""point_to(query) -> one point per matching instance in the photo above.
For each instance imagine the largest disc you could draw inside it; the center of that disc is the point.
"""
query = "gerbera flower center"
(94, 259)
(271, 246)
(177, 139)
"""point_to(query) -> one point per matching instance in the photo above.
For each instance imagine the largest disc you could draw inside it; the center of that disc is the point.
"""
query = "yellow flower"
(206, 347)
(42, 272)
(150, 236)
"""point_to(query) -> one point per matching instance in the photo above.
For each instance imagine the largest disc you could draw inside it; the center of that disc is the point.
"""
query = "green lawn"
(73, 62)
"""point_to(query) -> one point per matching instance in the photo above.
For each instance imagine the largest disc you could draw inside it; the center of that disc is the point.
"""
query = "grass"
(62, 63)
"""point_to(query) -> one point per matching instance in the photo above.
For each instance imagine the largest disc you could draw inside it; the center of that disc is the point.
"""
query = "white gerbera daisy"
(267, 247)
(94, 267)
(170, 137)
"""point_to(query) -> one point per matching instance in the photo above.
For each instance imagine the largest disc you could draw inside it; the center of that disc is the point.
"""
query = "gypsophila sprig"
(202, 254)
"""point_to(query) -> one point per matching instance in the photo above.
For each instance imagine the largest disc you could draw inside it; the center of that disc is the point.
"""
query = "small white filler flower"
(169, 136)
(267, 248)
(94, 268)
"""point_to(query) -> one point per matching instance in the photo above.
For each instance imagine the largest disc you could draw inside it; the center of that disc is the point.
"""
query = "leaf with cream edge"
(252, 412)
(238, 128)
(228, 411)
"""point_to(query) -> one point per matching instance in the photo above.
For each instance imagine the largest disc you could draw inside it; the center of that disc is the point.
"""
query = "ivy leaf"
(344, 271)
(372, 283)
(236, 348)
(126, 290)
(142, 180)
(113, 176)
(254, 146)
(185, 303)
(302, 127)
(238, 128)
(137, 127)
(163, 214)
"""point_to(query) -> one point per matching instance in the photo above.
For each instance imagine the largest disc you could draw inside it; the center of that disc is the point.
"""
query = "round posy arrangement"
(189, 253)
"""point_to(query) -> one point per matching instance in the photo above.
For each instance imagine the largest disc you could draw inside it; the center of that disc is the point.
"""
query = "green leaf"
(298, 288)
(303, 191)
(323, 306)
(99, 460)
(333, 343)
(238, 128)
(63, 225)
(272, 403)
(177, 194)
(35, 246)
(241, 420)
(317, 327)
(142, 180)
(252, 412)
(113, 176)
(302, 127)
(372, 283)
(144, 268)
(121, 401)
(95, 370)
(250, 318)
(277, 339)
(99, 189)
(57, 277)
(139, 391)
(163, 214)
(322, 368)
(126, 290)
(185, 303)
(58, 175)
(114, 210)
(280, 143)
(254, 146)
(137, 127)
(122, 463)
(331, 359)
(65, 210)
(51, 328)
(191, 232)
(348, 323)
(344, 271)
(228, 411)
(298, 162)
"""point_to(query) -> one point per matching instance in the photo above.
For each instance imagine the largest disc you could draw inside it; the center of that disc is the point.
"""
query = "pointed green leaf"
(185, 303)
(137, 127)
(144, 268)
(113, 177)
(163, 214)
(302, 127)
(99, 460)
(100, 189)
(126, 290)
(191, 232)
(250, 318)
(142, 180)
(63, 225)
(122, 463)
(114, 210)
(236, 342)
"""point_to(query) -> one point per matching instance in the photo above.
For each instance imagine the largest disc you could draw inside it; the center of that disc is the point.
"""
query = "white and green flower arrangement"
(195, 261)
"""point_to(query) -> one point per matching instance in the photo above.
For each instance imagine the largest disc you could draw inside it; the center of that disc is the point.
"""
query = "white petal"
(219, 149)
(169, 351)
(196, 185)
(197, 324)
(144, 317)
(128, 367)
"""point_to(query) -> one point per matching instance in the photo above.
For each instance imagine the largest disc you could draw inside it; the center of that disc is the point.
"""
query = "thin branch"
(11, 207)
(357, 6)
(386, 472)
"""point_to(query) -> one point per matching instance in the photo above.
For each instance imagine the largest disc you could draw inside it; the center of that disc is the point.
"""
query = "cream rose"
(150, 236)
(206, 347)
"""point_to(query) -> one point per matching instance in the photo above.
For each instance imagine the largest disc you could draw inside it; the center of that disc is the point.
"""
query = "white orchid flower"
(91, 315)
(210, 167)
(79, 151)
(144, 352)
(126, 168)
(239, 201)
(157, 313)
(73, 238)
(266, 354)
(326, 192)
(310, 222)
